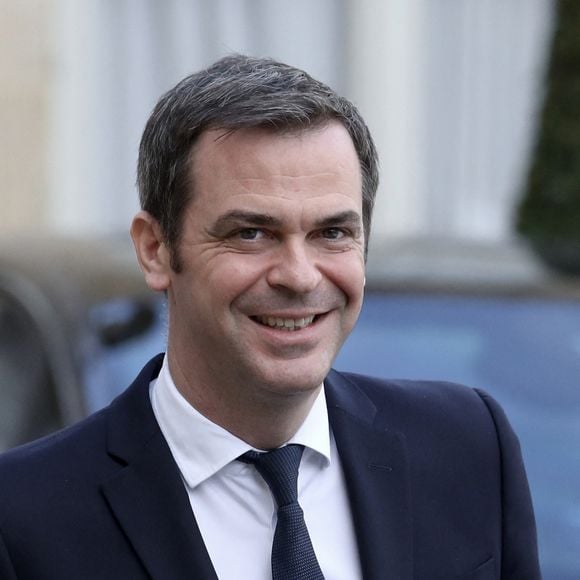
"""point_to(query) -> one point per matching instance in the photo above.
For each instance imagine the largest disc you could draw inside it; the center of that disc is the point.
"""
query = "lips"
(289, 324)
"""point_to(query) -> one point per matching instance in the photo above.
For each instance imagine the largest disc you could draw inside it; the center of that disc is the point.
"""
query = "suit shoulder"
(55, 466)
(415, 391)
(442, 405)
(70, 447)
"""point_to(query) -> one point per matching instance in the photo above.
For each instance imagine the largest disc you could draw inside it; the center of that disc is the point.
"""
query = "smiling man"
(240, 453)
(271, 276)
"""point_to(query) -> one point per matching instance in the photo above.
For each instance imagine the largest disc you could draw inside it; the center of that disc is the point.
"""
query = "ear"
(152, 253)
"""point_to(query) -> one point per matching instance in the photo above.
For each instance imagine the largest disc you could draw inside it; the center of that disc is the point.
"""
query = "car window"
(126, 332)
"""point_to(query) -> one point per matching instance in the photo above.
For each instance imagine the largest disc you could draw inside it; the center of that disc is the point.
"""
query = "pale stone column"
(385, 54)
(450, 89)
(25, 71)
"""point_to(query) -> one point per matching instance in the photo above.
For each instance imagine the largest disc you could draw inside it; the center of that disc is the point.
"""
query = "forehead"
(263, 159)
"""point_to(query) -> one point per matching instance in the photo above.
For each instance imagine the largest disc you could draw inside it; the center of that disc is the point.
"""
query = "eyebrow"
(237, 217)
(249, 218)
(344, 218)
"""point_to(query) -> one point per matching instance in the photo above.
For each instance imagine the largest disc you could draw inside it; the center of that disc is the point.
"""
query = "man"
(257, 185)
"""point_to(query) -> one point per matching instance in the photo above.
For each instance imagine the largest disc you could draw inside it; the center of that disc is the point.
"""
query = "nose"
(295, 268)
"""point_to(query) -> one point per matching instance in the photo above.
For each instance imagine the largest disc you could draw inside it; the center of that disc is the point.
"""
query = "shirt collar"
(201, 448)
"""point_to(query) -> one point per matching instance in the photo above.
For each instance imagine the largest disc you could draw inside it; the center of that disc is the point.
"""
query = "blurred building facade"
(449, 89)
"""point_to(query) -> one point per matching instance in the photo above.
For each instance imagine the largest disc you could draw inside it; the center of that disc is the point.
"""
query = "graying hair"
(237, 92)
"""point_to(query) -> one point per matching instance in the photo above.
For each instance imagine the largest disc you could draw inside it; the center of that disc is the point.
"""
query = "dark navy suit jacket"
(434, 475)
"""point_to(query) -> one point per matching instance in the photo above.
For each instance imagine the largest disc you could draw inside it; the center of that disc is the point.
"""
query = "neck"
(263, 419)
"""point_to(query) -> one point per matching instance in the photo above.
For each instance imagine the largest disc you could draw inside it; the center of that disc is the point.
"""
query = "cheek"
(348, 275)
(231, 278)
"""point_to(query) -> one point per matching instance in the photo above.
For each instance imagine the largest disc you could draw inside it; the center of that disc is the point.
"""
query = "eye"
(333, 234)
(251, 234)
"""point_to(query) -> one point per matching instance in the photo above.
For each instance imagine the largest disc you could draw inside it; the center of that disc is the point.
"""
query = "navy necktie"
(293, 556)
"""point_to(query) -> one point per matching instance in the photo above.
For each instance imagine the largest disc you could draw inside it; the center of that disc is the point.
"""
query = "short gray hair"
(237, 92)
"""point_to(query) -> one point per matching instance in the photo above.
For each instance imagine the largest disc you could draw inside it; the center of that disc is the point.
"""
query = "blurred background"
(450, 89)
(473, 273)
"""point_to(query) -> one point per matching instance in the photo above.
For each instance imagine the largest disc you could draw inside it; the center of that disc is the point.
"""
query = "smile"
(290, 324)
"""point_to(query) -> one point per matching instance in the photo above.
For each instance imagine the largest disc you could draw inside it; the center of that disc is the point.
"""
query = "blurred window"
(126, 332)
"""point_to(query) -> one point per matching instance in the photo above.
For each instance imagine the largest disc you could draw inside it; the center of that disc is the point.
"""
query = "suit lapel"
(147, 495)
(150, 503)
(375, 467)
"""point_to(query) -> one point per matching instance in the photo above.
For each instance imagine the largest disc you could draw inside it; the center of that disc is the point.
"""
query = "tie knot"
(279, 468)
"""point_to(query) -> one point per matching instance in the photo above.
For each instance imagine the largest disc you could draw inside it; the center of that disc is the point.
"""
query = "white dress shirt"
(233, 506)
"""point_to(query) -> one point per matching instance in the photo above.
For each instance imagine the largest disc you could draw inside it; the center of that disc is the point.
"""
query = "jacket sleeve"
(519, 541)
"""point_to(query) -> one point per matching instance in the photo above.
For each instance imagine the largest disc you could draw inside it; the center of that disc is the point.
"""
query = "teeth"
(286, 323)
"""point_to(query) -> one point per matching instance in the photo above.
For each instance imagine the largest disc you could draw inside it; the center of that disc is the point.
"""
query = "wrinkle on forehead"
(280, 183)
(283, 176)
(327, 200)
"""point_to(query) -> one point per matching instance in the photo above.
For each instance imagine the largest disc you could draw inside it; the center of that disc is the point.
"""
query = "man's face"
(272, 250)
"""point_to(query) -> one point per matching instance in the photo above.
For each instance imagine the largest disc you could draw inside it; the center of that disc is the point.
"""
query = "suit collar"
(147, 495)
(375, 467)
(150, 502)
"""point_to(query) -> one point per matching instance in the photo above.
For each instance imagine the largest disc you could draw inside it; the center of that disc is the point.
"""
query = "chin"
(295, 379)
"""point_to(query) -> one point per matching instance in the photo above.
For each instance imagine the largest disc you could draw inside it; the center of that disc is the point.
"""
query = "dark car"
(77, 323)
(69, 309)
(494, 318)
